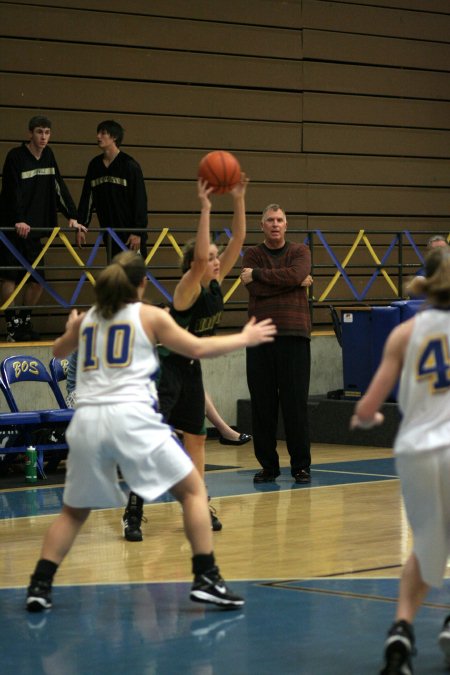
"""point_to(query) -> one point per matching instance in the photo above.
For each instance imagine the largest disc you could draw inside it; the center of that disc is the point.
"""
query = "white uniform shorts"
(425, 480)
(131, 436)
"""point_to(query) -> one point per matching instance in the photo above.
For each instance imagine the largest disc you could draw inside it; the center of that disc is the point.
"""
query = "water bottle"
(31, 465)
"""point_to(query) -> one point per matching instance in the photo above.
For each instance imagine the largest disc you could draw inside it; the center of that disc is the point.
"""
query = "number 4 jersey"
(117, 363)
(424, 395)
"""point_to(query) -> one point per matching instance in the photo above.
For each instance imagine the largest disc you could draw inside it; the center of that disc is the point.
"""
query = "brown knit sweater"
(275, 291)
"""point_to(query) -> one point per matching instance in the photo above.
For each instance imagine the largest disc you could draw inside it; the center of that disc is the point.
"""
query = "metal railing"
(349, 267)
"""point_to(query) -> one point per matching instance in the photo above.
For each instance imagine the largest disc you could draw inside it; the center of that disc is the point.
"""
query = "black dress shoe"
(302, 477)
(243, 438)
(265, 476)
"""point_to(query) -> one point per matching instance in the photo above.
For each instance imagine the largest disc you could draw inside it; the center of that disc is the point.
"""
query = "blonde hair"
(117, 284)
(435, 285)
(188, 254)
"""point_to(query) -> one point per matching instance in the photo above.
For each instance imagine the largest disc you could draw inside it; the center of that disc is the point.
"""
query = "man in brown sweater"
(276, 274)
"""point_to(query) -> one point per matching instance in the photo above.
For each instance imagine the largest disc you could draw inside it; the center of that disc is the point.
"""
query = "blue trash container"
(384, 320)
(356, 325)
(408, 308)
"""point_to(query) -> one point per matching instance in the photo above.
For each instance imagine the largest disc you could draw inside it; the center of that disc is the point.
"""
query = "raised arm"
(232, 250)
(188, 288)
(67, 342)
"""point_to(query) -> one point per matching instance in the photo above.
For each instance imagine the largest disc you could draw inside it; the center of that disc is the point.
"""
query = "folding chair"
(26, 369)
(21, 424)
(58, 372)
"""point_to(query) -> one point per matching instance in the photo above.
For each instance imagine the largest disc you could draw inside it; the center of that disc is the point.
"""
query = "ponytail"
(117, 284)
(436, 284)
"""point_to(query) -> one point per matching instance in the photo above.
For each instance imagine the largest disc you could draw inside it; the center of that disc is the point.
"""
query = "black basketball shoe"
(39, 595)
(212, 589)
(132, 519)
(398, 649)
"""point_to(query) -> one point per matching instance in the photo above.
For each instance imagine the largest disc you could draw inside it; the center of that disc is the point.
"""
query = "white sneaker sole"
(444, 644)
(404, 668)
(37, 604)
(202, 596)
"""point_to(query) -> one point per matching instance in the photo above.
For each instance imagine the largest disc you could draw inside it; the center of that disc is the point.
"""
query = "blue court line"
(35, 501)
(306, 627)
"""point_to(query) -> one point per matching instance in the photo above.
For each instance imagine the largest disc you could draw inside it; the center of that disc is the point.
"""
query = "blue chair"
(23, 368)
(26, 369)
(58, 372)
(19, 426)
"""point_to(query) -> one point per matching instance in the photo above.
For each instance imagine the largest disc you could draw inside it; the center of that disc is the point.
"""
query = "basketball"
(221, 170)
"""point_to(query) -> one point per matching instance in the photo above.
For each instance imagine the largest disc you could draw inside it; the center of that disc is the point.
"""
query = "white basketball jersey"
(424, 395)
(116, 360)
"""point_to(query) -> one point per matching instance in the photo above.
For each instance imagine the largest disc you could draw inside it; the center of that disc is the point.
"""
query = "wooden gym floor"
(318, 565)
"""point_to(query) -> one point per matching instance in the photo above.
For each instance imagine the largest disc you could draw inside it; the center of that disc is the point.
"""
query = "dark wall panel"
(376, 140)
(384, 112)
(374, 80)
(272, 13)
(169, 164)
(75, 26)
(368, 49)
(171, 131)
(376, 20)
(122, 63)
(47, 92)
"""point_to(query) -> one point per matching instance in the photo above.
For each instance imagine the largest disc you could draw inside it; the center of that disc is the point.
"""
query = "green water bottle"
(31, 465)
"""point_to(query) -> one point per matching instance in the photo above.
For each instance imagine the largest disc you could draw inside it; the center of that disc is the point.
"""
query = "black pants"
(278, 375)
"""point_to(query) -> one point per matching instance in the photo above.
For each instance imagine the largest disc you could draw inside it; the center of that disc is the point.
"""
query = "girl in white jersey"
(419, 351)
(116, 424)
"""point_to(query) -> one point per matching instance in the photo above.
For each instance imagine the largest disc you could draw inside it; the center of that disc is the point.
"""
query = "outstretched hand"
(258, 332)
(204, 190)
(358, 423)
(74, 321)
(241, 187)
(66, 343)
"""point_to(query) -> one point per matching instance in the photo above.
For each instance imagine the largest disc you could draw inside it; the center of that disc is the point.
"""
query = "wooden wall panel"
(121, 63)
(306, 168)
(353, 79)
(299, 198)
(376, 20)
(376, 140)
(368, 49)
(46, 92)
(76, 27)
(353, 223)
(161, 131)
(383, 112)
(286, 14)
(438, 6)
(263, 12)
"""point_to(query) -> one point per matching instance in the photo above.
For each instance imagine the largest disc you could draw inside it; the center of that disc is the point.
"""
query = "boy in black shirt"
(114, 187)
(33, 191)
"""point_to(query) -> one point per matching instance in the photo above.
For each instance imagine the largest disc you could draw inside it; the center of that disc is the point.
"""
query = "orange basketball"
(221, 170)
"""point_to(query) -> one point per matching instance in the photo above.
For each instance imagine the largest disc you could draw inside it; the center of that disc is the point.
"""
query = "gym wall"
(339, 111)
